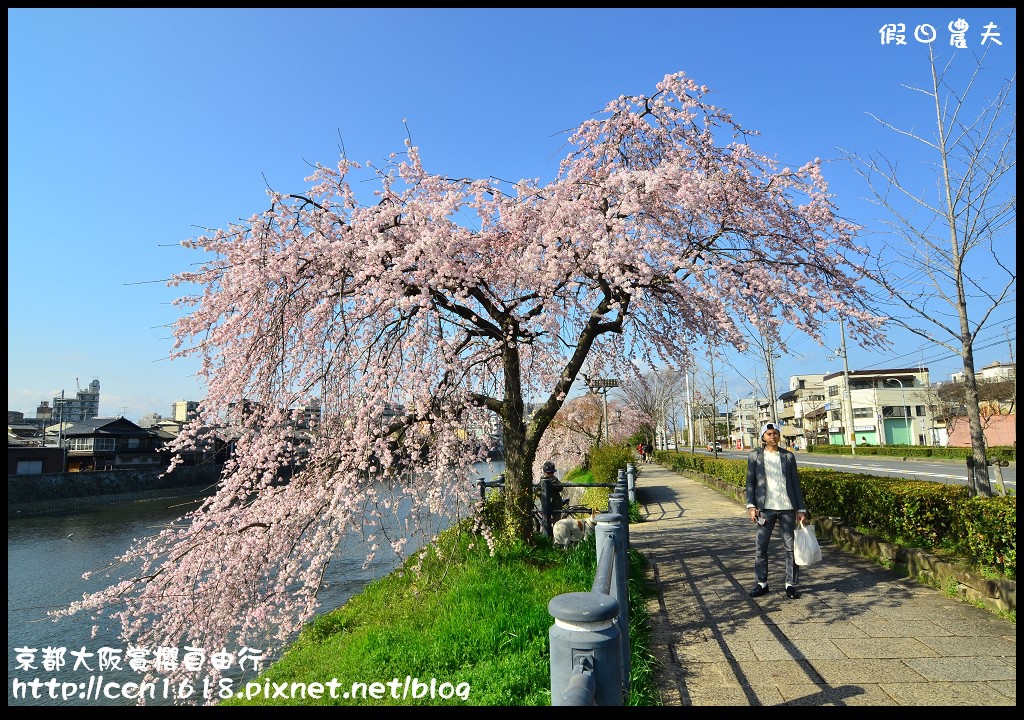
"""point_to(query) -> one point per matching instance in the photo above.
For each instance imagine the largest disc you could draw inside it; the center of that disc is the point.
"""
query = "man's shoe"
(759, 590)
(792, 593)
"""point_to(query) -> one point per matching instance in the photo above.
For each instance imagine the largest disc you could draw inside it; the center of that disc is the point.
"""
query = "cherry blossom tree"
(447, 302)
(578, 427)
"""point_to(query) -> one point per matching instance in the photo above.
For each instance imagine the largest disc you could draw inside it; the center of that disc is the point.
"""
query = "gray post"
(998, 465)
(972, 483)
(585, 638)
(631, 482)
(611, 536)
(617, 504)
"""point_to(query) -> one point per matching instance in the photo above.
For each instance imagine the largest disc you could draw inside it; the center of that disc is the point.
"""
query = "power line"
(1009, 324)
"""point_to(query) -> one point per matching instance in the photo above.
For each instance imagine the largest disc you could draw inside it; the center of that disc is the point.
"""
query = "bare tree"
(649, 397)
(764, 350)
(947, 272)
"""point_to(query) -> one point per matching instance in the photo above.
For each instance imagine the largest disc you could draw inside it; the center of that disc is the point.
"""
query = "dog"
(569, 531)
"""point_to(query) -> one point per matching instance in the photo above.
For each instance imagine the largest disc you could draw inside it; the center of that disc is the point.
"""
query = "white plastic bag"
(806, 550)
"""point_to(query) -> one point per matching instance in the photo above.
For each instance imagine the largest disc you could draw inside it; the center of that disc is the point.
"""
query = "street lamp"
(602, 386)
(906, 414)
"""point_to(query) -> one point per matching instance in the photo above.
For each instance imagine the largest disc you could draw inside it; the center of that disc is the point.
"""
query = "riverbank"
(464, 628)
(79, 504)
(73, 492)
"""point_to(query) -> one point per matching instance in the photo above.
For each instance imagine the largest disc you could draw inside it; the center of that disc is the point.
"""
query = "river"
(46, 557)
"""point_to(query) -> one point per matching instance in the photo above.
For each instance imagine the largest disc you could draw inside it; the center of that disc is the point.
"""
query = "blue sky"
(130, 130)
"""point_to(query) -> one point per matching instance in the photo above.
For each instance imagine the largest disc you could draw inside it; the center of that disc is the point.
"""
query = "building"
(85, 405)
(308, 415)
(991, 373)
(44, 413)
(111, 443)
(183, 411)
(802, 408)
(892, 406)
(33, 459)
(748, 416)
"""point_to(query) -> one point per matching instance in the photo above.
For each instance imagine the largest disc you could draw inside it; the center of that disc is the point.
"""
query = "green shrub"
(914, 513)
(999, 453)
(606, 460)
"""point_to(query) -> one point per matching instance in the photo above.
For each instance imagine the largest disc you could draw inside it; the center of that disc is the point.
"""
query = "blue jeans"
(787, 523)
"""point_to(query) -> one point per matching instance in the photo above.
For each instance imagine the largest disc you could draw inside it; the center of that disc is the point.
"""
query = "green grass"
(476, 621)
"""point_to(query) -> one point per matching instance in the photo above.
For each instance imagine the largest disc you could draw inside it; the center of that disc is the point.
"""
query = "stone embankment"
(73, 492)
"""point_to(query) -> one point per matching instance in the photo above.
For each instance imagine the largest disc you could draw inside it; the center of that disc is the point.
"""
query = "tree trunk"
(984, 487)
(519, 453)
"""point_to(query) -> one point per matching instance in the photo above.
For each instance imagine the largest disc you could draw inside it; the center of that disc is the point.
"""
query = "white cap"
(770, 426)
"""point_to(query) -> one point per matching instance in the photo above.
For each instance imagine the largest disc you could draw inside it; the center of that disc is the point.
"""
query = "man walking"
(774, 496)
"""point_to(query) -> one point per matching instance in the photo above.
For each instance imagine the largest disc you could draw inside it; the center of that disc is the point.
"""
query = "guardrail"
(551, 504)
(590, 651)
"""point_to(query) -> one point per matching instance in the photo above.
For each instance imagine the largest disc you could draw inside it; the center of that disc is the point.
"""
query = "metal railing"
(551, 505)
(590, 652)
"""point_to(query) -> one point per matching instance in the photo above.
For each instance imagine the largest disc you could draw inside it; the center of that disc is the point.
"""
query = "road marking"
(900, 471)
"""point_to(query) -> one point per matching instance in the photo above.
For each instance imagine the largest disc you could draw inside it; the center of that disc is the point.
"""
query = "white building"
(84, 406)
(890, 407)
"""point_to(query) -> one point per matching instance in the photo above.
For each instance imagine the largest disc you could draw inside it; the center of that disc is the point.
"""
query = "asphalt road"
(951, 472)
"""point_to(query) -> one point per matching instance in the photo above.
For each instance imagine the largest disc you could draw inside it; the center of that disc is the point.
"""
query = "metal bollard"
(611, 536)
(617, 504)
(585, 638)
(631, 483)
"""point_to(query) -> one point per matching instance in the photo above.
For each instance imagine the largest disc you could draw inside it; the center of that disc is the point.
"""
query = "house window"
(133, 443)
(835, 415)
(919, 410)
(833, 391)
(864, 412)
(29, 467)
(80, 444)
(103, 445)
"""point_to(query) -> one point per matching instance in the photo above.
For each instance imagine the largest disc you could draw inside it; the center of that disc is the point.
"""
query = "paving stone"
(860, 635)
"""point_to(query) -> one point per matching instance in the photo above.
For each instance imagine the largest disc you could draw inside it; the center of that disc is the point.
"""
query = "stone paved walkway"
(859, 635)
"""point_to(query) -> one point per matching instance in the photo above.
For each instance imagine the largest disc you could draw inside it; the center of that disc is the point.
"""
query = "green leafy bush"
(914, 513)
(1001, 453)
(606, 460)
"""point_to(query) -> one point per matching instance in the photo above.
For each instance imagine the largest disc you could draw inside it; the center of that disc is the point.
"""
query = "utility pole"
(770, 361)
(689, 409)
(728, 415)
(848, 404)
(1014, 363)
(60, 421)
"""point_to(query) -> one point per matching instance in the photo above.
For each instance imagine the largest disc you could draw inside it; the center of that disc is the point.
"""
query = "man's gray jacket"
(757, 480)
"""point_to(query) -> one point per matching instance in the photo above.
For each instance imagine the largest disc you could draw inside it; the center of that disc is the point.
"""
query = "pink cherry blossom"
(445, 307)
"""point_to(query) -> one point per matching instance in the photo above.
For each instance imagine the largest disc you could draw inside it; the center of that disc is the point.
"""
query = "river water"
(46, 557)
